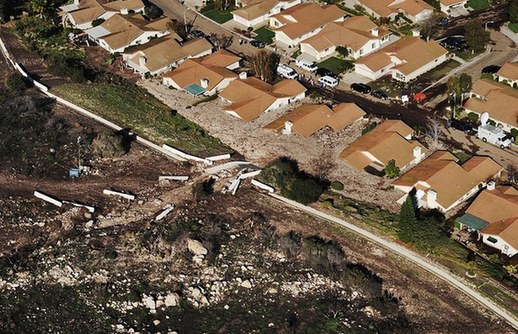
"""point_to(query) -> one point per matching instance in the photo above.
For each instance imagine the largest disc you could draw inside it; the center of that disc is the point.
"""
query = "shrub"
(16, 83)
(391, 170)
(369, 127)
(342, 51)
(337, 185)
(304, 190)
(514, 133)
(153, 12)
(108, 145)
(327, 204)
(67, 67)
(473, 117)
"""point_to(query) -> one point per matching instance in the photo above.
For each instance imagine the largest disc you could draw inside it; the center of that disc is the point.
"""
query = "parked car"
(286, 72)
(461, 126)
(491, 69)
(327, 81)
(379, 94)
(362, 88)
(257, 44)
(307, 65)
(322, 72)
(454, 43)
(197, 33)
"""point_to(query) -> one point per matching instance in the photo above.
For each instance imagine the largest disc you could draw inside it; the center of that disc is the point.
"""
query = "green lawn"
(442, 70)
(514, 27)
(133, 107)
(478, 4)
(336, 65)
(264, 35)
(218, 15)
(467, 55)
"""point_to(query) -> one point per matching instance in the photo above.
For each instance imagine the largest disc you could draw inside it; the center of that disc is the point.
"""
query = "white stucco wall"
(431, 65)
(500, 244)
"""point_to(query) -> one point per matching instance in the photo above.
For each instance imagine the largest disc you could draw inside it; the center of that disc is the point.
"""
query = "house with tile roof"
(404, 60)
(257, 12)
(494, 216)
(448, 5)
(508, 74)
(358, 34)
(208, 75)
(440, 182)
(122, 31)
(300, 22)
(81, 13)
(414, 10)
(162, 54)
(390, 140)
(248, 98)
(309, 118)
(497, 99)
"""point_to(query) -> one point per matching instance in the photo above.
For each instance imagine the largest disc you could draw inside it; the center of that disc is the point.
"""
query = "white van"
(286, 72)
(327, 81)
(306, 65)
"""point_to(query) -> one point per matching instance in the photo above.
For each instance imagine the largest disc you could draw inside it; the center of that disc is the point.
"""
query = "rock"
(246, 284)
(159, 303)
(272, 291)
(149, 302)
(88, 215)
(196, 247)
(226, 307)
(89, 224)
(172, 300)
(156, 322)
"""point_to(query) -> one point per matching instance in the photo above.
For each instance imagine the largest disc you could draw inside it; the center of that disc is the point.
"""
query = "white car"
(327, 81)
(306, 65)
(287, 72)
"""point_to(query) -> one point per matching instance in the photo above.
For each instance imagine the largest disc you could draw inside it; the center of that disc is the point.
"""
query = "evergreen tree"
(513, 11)
(391, 170)
(475, 35)
(407, 221)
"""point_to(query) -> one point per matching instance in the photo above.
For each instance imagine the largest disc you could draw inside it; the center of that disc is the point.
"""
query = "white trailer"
(492, 134)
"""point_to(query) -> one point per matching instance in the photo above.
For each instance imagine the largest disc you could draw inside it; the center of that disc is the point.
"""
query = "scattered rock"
(156, 322)
(172, 300)
(246, 284)
(196, 247)
(149, 302)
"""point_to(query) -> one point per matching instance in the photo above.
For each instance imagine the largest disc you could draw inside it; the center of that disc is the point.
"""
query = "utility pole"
(79, 153)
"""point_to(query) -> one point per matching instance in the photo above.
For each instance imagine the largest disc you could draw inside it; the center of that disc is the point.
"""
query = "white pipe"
(111, 192)
(48, 199)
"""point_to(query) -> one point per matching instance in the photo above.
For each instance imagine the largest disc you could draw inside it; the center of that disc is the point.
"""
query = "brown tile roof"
(451, 181)
(499, 100)
(126, 28)
(221, 58)
(166, 50)
(90, 10)
(354, 32)
(499, 208)
(194, 70)
(251, 97)
(413, 51)
(385, 8)
(509, 71)
(308, 119)
(450, 2)
(304, 18)
(385, 142)
(256, 9)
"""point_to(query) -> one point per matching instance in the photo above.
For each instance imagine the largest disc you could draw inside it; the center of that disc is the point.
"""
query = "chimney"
(287, 127)
(375, 32)
(242, 75)
(417, 153)
(124, 11)
(204, 83)
(491, 185)
(142, 61)
(416, 33)
(76, 2)
(431, 198)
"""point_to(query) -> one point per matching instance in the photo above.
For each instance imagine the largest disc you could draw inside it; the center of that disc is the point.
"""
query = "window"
(491, 239)
(505, 249)
(361, 52)
(373, 45)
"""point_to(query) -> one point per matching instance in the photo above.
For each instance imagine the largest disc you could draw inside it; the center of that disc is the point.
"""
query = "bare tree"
(264, 64)
(223, 4)
(428, 27)
(511, 171)
(221, 41)
(433, 132)
(323, 165)
(179, 28)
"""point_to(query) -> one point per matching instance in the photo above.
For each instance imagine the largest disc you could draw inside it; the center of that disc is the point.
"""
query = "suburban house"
(390, 140)
(414, 10)
(300, 22)
(162, 54)
(250, 97)
(448, 5)
(122, 31)
(440, 182)
(309, 118)
(81, 13)
(494, 215)
(256, 12)
(499, 100)
(508, 74)
(404, 60)
(207, 75)
(358, 34)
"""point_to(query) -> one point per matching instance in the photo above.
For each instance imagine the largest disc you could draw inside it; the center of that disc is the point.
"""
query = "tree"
(511, 172)
(264, 64)
(222, 41)
(475, 35)
(342, 51)
(223, 4)
(179, 28)
(433, 131)
(513, 10)
(407, 221)
(465, 84)
(428, 26)
(391, 170)
(16, 83)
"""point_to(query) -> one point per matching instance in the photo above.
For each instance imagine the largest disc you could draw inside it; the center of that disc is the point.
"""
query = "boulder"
(246, 284)
(172, 300)
(149, 302)
(196, 247)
